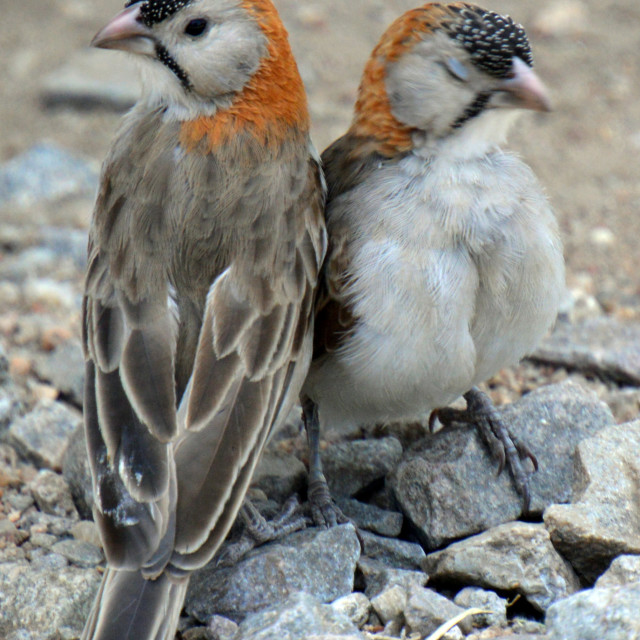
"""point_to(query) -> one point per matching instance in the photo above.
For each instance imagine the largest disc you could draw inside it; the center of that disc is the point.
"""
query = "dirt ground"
(586, 152)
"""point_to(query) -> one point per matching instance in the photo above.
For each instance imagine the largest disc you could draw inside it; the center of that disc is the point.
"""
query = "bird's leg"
(258, 530)
(504, 447)
(324, 511)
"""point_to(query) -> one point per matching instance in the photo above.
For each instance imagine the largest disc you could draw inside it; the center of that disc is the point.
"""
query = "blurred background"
(61, 102)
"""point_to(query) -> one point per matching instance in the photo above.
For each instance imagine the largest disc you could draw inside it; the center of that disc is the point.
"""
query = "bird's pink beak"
(126, 32)
(525, 89)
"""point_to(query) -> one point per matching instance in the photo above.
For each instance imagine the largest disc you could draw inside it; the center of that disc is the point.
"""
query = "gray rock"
(9, 533)
(198, 633)
(9, 466)
(378, 577)
(526, 626)
(512, 636)
(21, 634)
(12, 553)
(52, 494)
(516, 556)
(222, 628)
(82, 554)
(43, 540)
(45, 172)
(609, 613)
(600, 346)
(64, 369)
(90, 79)
(356, 606)
(48, 562)
(20, 501)
(279, 475)
(605, 521)
(5, 376)
(77, 473)
(318, 561)
(86, 531)
(448, 489)
(34, 520)
(394, 553)
(351, 466)
(41, 600)
(623, 402)
(474, 598)
(623, 570)
(390, 604)
(426, 610)
(10, 405)
(372, 518)
(300, 616)
(42, 435)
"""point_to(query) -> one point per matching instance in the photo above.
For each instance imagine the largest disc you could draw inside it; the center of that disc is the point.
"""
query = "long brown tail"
(128, 607)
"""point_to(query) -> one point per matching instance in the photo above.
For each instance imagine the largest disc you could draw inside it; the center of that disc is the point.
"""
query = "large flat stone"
(321, 562)
(41, 600)
(611, 613)
(516, 557)
(299, 616)
(447, 485)
(601, 346)
(43, 434)
(604, 522)
(352, 466)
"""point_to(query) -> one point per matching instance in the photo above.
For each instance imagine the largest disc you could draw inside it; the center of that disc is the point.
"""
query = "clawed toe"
(324, 511)
(505, 449)
(258, 530)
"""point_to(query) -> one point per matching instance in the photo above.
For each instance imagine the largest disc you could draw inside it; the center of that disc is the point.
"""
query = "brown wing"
(334, 320)
(251, 360)
(129, 344)
(347, 162)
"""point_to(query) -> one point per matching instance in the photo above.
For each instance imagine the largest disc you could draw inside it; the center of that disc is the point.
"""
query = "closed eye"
(456, 69)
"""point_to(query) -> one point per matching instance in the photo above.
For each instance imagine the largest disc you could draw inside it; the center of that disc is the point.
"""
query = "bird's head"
(446, 69)
(201, 57)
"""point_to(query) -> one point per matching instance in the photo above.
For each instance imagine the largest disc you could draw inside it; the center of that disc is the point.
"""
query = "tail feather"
(130, 607)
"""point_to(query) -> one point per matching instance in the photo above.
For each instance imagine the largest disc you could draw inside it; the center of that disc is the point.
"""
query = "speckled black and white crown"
(492, 40)
(155, 11)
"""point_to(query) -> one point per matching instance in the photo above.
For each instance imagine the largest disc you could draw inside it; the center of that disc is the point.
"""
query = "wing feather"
(235, 479)
(109, 335)
(217, 453)
(132, 531)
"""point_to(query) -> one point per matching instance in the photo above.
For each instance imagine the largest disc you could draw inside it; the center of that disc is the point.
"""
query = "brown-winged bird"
(204, 251)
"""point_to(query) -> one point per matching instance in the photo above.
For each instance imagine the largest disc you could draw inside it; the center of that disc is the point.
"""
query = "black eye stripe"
(168, 61)
(473, 110)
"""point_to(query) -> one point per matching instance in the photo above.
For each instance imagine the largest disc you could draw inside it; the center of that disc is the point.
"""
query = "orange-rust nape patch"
(373, 117)
(273, 105)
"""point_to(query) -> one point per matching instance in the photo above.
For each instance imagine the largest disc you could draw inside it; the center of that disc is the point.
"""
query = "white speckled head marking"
(491, 40)
(155, 11)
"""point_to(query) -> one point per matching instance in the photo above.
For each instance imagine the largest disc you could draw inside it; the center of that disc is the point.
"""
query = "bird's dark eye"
(196, 27)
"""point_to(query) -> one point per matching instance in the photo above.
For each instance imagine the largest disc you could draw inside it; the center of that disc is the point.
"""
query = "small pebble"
(82, 554)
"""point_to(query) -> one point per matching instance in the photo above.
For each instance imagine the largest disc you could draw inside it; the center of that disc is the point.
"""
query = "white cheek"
(223, 62)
